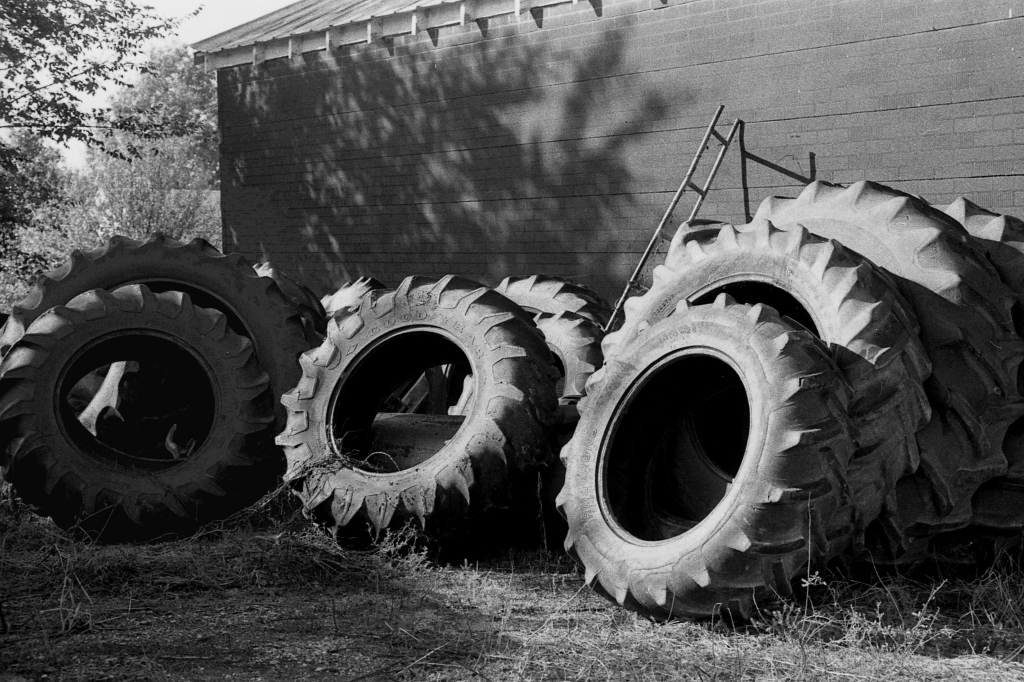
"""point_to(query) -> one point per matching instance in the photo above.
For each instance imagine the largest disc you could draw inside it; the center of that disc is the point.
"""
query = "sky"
(215, 17)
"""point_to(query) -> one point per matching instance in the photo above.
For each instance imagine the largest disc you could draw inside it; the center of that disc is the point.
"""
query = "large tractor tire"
(838, 296)
(999, 503)
(254, 305)
(999, 236)
(966, 317)
(709, 464)
(353, 455)
(300, 297)
(191, 439)
(553, 295)
(575, 342)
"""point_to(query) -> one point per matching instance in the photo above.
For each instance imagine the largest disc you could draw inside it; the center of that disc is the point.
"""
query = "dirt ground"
(285, 603)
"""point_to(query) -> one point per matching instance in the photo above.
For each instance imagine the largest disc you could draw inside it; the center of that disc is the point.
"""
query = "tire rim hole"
(1017, 317)
(1013, 443)
(752, 293)
(402, 403)
(677, 448)
(137, 399)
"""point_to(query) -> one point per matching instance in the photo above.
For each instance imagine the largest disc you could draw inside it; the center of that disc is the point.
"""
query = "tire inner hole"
(751, 293)
(140, 397)
(402, 403)
(677, 447)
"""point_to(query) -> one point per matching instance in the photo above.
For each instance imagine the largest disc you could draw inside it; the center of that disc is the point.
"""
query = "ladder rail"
(714, 170)
(701, 192)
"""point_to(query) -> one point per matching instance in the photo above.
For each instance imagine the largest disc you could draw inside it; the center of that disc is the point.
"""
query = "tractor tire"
(999, 503)
(254, 305)
(1001, 237)
(838, 296)
(299, 297)
(966, 316)
(432, 468)
(575, 342)
(553, 295)
(93, 484)
(709, 464)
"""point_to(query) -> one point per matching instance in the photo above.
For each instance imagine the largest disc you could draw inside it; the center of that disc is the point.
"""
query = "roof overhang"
(321, 25)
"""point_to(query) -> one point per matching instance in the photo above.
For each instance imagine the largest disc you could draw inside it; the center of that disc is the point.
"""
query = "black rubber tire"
(112, 496)
(547, 294)
(966, 317)
(254, 305)
(575, 342)
(299, 297)
(501, 441)
(1001, 237)
(839, 296)
(999, 503)
(787, 503)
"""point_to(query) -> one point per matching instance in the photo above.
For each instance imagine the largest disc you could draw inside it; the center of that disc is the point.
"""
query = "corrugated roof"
(307, 16)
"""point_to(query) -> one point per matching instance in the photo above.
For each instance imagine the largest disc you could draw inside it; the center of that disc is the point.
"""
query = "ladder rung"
(687, 183)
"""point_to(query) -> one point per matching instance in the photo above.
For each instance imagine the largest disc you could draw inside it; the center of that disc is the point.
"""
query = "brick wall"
(554, 144)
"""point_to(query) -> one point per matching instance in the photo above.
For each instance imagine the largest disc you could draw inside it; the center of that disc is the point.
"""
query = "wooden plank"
(308, 42)
(349, 34)
(449, 14)
(494, 8)
(374, 30)
(224, 59)
(275, 49)
(395, 24)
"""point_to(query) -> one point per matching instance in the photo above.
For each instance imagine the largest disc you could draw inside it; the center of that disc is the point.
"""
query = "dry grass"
(266, 596)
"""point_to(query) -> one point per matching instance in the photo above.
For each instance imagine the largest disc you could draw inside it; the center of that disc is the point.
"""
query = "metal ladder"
(702, 192)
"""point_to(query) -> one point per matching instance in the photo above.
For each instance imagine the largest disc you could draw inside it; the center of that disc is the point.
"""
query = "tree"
(137, 185)
(173, 88)
(133, 186)
(55, 52)
(30, 179)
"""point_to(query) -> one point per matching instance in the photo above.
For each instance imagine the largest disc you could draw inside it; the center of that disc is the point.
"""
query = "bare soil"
(259, 601)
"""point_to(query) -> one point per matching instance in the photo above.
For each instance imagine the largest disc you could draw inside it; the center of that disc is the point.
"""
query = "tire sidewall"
(479, 432)
(213, 452)
(588, 512)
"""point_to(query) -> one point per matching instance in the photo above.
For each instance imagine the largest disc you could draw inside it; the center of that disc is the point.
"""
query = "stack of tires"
(840, 377)
(139, 386)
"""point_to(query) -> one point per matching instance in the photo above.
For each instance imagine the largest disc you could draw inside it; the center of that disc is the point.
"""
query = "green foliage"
(134, 185)
(166, 188)
(173, 88)
(30, 179)
(53, 53)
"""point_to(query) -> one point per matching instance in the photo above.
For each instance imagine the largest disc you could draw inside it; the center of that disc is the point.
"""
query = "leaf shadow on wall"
(489, 158)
